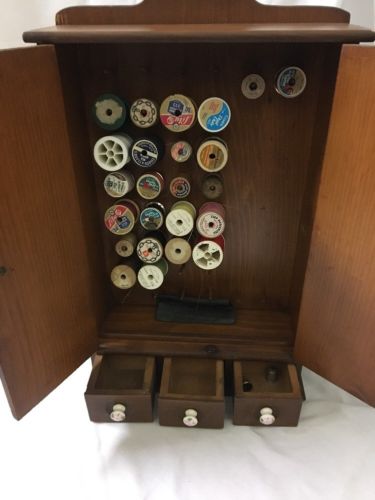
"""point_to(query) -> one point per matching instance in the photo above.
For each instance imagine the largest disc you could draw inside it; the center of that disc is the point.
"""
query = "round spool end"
(212, 187)
(208, 254)
(178, 251)
(111, 153)
(144, 113)
(123, 277)
(177, 113)
(253, 86)
(126, 246)
(291, 82)
(109, 112)
(151, 276)
(181, 151)
(214, 114)
(212, 155)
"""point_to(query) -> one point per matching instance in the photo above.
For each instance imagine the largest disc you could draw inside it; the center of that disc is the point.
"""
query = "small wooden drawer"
(121, 388)
(266, 394)
(192, 393)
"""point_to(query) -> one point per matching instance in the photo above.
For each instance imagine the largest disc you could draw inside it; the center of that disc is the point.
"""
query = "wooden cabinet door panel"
(336, 331)
(47, 325)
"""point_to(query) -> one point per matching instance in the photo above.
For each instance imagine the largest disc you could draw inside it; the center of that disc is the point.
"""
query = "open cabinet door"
(47, 325)
(336, 330)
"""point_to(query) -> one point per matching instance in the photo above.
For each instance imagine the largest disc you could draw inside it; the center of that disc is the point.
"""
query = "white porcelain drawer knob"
(190, 419)
(118, 413)
(266, 416)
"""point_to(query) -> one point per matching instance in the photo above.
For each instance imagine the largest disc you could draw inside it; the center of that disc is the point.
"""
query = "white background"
(56, 453)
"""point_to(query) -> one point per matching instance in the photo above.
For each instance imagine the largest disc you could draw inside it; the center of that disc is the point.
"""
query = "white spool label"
(118, 185)
(119, 219)
(150, 250)
(253, 86)
(149, 186)
(210, 225)
(179, 222)
(291, 82)
(208, 255)
(144, 113)
(150, 277)
(123, 277)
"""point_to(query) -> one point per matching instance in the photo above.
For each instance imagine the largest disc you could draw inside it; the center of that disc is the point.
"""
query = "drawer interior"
(192, 377)
(119, 372)
(259, 377)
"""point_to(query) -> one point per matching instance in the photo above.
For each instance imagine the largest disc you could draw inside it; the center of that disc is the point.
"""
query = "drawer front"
(175, 413)
(104, 408)
(284, 412)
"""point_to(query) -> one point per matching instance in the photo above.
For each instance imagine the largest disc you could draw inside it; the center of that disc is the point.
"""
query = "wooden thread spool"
(212, 155)
(178, 251)
(214, 114)
(146, 152)
(149, 186)
(144, 113)
(123, 277)
(150, 249)
(291, 82)
(209, 254)
(177, 113)
(110, 112)
(151, 276)
(180, 220)
(212, 187)
(180, 187)
(253, 86)
(119, 184)
(120, 219)
(211, 220)
(126, 246)
(112, 152)
(152, 217)
(181, 151)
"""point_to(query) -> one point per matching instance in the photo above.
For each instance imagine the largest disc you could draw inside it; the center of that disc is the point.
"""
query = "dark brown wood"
(284, 396)
(199, 11)
(48, 324)
(121, 379)
(270, 141)
(198, 33)
(336, 324)
(189, 383)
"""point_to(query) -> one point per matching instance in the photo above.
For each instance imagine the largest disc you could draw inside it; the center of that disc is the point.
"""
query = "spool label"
(253, 86)
(177, 113)
(181, 151)
(208, 255)
(150, 277)
(150, 250)
(123, 277)
(210, 225)
(212, 156)
(109, 112)
(291, 82)
(145, 153)
(117, 185)
(214, 114)
(180, 187)
(151, 219)
(149, 187)
(144, 113)
(179, 222)
(119, 219)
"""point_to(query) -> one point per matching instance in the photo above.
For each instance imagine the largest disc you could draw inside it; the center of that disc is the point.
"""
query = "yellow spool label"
(212, 155)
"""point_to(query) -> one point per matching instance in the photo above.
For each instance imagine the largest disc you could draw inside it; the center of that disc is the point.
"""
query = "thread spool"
(209, 254)
(150, 249)
(214, 114)
(149, 186)
(181, 151)
(212, 155)
(151, 276)
(120, 219)
(272, 374)
(212, 187)
(144, 113)
(180, 220)
(180, 187)
(146, 152)
(110, 112)
(112, 152)
(126, 246)
(123, 276)
(177, 113)
(291, 82)
(178, 251)
(152, 217)
(211, 220)
(253, 86)
(118, 184)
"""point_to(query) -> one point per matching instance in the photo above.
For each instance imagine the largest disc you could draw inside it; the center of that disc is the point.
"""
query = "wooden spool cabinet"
(298, 194)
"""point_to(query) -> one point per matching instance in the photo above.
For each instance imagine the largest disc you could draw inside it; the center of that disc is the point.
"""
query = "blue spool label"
(214, 115)
(145, 153)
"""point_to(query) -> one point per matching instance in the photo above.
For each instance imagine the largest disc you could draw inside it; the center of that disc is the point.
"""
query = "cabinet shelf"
(198, 33)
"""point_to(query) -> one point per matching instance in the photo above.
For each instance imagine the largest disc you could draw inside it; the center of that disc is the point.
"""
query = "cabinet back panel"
(270, 142)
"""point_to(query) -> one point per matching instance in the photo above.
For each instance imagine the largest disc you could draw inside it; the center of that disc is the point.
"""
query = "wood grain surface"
(197, 33)
(199, 11)
(336, 325)
(48, 324)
